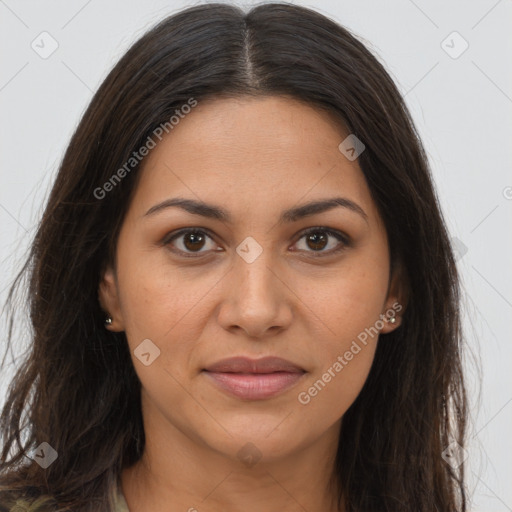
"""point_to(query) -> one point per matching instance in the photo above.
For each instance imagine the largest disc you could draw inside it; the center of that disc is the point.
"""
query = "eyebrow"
(212, 211)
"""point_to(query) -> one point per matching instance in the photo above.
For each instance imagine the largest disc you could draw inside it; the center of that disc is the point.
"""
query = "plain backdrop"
(451, 60)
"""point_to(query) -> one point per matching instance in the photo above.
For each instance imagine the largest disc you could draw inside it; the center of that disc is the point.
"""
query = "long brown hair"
(77, 389)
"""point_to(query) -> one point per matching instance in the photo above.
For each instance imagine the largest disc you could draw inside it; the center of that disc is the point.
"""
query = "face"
(191, 287)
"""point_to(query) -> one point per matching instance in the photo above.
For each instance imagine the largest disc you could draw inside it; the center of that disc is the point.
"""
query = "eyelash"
(344, 239)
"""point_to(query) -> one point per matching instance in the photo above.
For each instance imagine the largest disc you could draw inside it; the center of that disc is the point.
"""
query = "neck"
(180, 473)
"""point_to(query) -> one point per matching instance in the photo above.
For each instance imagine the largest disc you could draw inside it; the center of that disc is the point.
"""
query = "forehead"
(252, 153)
(267, 126)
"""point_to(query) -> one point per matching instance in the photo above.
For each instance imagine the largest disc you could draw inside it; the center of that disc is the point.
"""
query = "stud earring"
(108, 320)
(392, 320)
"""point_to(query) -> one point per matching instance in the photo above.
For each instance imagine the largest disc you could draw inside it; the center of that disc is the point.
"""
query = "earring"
(108, 320)
(391, 319)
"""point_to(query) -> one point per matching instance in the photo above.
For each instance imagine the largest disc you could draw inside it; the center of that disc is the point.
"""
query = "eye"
(193, 240)
(190, 241)
(317, 238)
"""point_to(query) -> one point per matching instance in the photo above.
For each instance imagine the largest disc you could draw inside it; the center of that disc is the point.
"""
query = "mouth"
(254, 379)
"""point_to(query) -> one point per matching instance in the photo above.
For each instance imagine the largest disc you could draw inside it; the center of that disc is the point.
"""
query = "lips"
(254, 379)
(247, 365)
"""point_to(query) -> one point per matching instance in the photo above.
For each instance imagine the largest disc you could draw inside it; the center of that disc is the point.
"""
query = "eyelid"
(343, 238)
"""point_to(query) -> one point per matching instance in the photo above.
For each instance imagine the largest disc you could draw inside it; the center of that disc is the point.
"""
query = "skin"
(254, 158)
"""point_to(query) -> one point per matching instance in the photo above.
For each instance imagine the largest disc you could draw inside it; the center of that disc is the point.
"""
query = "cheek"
(331, 392)
(344, 356)
(157, 299)
(348, 308)
(350, 300)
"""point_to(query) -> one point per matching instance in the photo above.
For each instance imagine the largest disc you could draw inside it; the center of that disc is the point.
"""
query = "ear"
(108, 297)
(396, 300)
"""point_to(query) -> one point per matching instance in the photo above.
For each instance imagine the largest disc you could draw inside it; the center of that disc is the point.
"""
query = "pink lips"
(254, 379)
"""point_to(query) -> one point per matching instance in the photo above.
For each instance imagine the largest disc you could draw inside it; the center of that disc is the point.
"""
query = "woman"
(242, 288)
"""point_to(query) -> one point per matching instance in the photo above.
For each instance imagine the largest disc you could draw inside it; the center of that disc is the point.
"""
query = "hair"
(77, 384)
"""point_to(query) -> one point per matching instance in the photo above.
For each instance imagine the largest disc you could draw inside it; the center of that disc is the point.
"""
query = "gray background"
(462, 107)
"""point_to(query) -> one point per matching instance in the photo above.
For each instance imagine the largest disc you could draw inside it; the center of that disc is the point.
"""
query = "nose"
(256, 299)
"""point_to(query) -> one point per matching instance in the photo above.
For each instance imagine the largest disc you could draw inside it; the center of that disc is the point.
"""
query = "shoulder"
(31, 500)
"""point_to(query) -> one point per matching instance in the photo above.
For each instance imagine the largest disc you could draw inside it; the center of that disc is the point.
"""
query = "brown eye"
(193, 241)
(190, 241)
(317, 239)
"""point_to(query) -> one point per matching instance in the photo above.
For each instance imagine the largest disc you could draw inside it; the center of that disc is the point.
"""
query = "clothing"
(26, 504)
